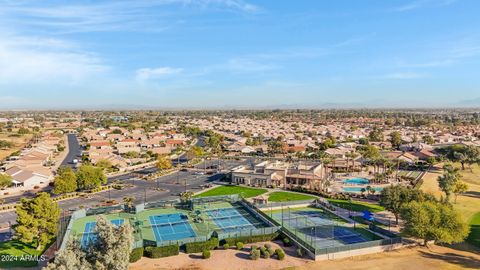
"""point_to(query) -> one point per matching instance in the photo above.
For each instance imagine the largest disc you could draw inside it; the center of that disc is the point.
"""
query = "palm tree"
(369, 188)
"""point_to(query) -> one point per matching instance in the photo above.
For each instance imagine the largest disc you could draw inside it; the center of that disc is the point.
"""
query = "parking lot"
(163, 188)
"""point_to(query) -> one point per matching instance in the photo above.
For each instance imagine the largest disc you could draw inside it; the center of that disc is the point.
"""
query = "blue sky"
(239, 53)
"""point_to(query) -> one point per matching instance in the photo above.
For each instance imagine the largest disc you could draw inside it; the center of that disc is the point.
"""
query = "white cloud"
(144, 74)
(422, 4)
(404, 75)
(248, 65)
(36, 59)
(111, 16)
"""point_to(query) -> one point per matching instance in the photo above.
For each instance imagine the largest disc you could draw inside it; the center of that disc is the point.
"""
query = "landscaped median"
(245, 192)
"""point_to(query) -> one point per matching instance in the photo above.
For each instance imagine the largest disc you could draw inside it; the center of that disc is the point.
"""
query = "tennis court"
(318, 228)
(89, 235)
(171, 227)
(233, 219)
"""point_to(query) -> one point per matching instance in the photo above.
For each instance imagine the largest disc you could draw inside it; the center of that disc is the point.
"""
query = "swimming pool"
(356, 181)
(359, 189)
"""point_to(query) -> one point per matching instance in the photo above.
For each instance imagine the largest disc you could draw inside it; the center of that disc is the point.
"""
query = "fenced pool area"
(356, 181)
(359, 189)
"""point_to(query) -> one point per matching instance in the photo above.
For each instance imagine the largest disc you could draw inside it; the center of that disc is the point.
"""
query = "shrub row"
(249, 239)
(65, 196)
(8, 206)
(206, 254)
(280, 254)
(201, 246)
(136, 254)
(159, 252)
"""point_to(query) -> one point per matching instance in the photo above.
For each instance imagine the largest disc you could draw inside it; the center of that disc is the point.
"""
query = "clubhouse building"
(279, 174)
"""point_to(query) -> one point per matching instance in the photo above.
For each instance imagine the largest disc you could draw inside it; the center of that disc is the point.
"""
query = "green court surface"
(78, 226)
(320, 228)
(201, 223)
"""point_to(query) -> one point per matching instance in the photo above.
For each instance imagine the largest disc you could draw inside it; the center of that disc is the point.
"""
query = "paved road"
(74, 151)
(163, 188)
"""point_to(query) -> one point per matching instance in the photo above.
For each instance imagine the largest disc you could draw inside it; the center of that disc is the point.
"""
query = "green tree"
(395, 139)
(370, 152)
(275, 146)
(37, 220)
(65, 181)
(460, 187)
(393, 198)
(90, 177)
(129, 201)
(447, 181)
(71, 257)
(186, 196)
(5, 144)
(23, 131)
(433, 221)
(196, 151)
(428, 139)
(163, 163)
(106, 165)
(110, 250)
(5, 180)
(376, 135)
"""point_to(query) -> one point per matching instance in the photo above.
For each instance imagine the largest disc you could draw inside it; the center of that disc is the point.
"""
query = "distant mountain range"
(370, 104)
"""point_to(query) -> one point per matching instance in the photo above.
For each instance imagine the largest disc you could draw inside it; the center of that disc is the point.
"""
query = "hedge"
(201, 246)
(136, 254)
(206, 254)
(250, 239)
(159, 252)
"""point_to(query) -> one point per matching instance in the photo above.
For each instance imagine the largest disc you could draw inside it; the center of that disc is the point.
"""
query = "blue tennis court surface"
(318, 228)
(230, 219)
(89, 235)
(171, 227)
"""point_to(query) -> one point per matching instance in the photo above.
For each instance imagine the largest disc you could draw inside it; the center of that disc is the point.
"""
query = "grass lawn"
(356, 206)
(282, 196)
(228, 190)
(474, 237)
(16, 254)
(468, 204)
